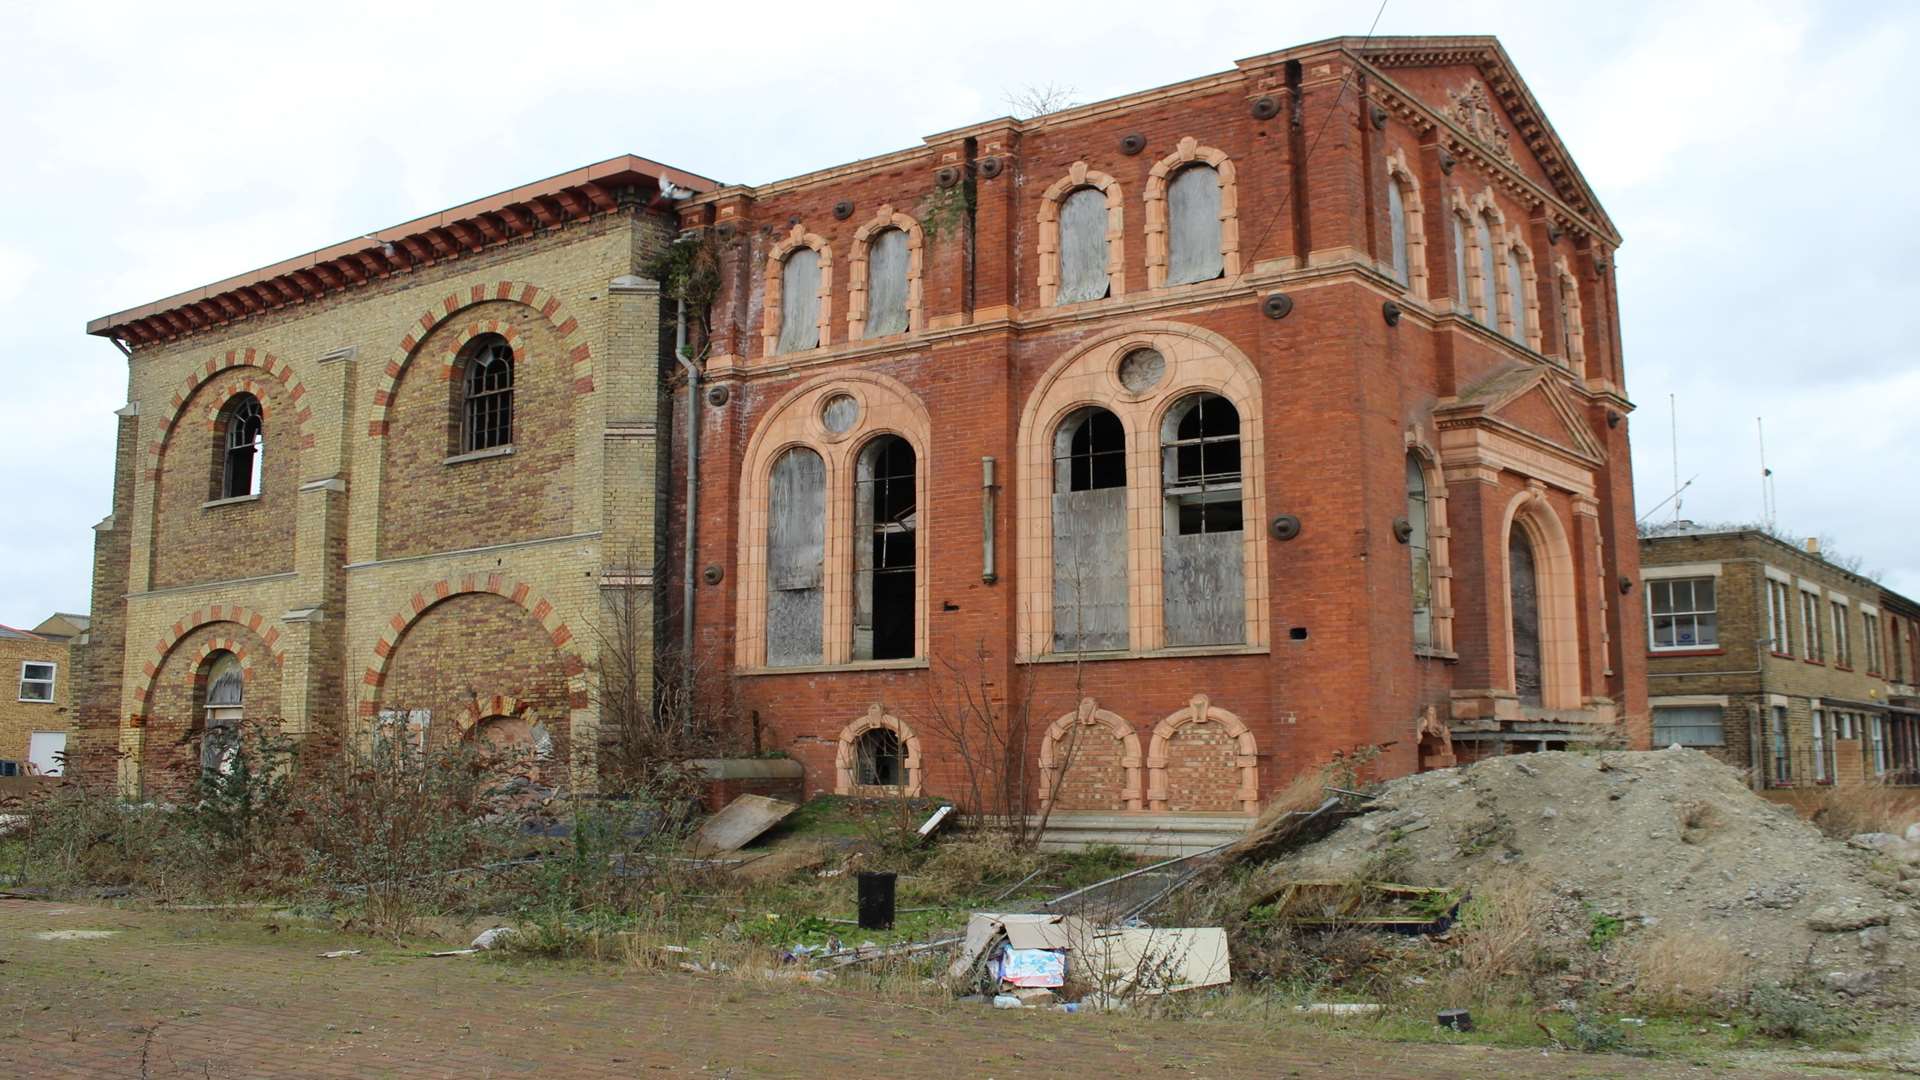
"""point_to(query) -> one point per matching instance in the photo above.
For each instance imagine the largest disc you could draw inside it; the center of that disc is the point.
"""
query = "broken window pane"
(800, 301)
(225, 702)
(1083, 247)
(1397, 221)
(885, 519)
(241, 471)
(1517, 296)
(1418, 547)
(1089, 532)
(1193, 226)
(488, 391)
(1201, 544)
(887, 283)
(1524, 598)
(880, 760)
(796, 557)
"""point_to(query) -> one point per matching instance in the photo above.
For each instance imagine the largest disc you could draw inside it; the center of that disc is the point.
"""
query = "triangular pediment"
(1472, 87)
(1530, 400)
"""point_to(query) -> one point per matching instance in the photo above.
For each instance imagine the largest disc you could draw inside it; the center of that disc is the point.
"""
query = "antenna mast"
(1767, 503)
(1673, 417)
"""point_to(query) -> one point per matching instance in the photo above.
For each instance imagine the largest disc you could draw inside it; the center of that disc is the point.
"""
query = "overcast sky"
(1751, 152)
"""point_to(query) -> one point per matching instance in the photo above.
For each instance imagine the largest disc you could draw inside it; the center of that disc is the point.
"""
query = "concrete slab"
(744, 819)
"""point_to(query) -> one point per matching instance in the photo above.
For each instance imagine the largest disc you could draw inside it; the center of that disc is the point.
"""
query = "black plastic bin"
(876, 899)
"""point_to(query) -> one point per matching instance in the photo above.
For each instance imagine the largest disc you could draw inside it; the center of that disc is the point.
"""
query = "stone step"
(1163, 835)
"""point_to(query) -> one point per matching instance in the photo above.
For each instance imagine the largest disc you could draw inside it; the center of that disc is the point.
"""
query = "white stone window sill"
(480, 455)
(231, 500)
(852, 665)
(1431, 653)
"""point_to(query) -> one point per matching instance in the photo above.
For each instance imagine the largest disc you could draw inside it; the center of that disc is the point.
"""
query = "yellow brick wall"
(337, 363)
(18, 719)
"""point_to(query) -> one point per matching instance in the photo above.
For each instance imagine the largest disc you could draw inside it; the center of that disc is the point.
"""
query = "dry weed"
(1841, 812)
(1683, 973)
(1501, 927)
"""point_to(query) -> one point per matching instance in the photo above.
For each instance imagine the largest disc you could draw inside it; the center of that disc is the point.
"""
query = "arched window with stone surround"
(879, 759)
(1397, 223)
(223, 710)
(1463, 293)
(486, 395)
(1201, 541)
(242, 449)
(1193, 226)
(796, 555)
(1516, 297)
(1420, 549)
(887, 258)
(1489, 310)
(1083, 247)
(1089, 532)
(886, 512)
(799, 301)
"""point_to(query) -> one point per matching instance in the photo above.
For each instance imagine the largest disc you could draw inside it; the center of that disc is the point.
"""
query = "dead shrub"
(1501, 928)
(1844, 811)
(969, 865)
(1687, 973)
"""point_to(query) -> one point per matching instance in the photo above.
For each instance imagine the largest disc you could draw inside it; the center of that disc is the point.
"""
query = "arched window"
(1419, 546)
(796, 557)
(885, 512)
(1193, 218)
(880, 760)
(1089, 532)
(887, 257)
(1083, 247)
(1397, 221)
(1517, 295)
(1489, 313)
(1523, 597)
(242, 458)
(1201, 546)
(487, 393)
(1461, 291)
(799, 301)
(224, 708)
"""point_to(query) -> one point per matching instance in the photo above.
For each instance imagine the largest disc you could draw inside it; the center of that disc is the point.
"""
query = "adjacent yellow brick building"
(34, 712)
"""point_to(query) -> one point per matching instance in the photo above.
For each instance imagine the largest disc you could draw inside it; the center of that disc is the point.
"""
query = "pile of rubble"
(1670, 839)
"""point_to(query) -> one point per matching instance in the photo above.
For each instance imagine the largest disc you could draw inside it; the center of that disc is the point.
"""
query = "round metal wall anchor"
(991, 167)
(1266, 108)
(1447, 160)
(842, 210)
(1614, 418)
(792, 220)
(712, 574)
(1626, 584)
(1391, 312)
(1284, 527)
(724, 230)
(1379, 117)
(718, 395)
(1402, 529)
(1600, 264)
(1277, 305)
(946, 176)
(1132, 144)
(1554, 233)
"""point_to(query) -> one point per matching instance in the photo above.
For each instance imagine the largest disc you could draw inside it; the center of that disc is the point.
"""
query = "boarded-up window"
(1202, 551)
(225, 706)
(1524, 598)
(1397, 221)
(800, 301)
(1489, 278)
(1089, 532)
(1419, 545)
(887, 283)
(796, 556)
(1460, 265)
(1193, 226)
(1517, 296)
(1083, 247)
(886, 515)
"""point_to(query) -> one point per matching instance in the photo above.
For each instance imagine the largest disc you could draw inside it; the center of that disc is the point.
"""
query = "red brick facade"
(1359, 371)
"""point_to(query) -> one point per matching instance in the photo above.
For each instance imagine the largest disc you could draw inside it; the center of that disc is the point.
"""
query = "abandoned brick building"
(1213, 430)
(387, 480)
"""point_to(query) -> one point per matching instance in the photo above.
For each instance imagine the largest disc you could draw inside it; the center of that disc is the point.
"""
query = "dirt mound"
(1670, 838)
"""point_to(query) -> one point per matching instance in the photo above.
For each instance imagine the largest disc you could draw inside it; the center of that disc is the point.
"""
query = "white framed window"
(1782, 763)
(1842, 647)
(36, 680)
(1780, 617)
(1877, 729)
(1681, 614)
(1870, 632)
(1689, 725)
(1811, 646)
(1820, 773)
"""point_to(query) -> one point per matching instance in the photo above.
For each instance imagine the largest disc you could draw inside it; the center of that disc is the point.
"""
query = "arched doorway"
(1523, 603)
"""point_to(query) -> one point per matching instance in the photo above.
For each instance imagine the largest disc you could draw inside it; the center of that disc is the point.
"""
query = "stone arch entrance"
(1097, 768)
(1543, 634)
(1202, 758)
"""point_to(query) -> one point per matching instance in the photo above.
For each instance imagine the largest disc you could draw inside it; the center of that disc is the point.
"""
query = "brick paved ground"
(171, 995)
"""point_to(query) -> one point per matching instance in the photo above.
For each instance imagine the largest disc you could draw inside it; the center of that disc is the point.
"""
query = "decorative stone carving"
(1470, 107)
